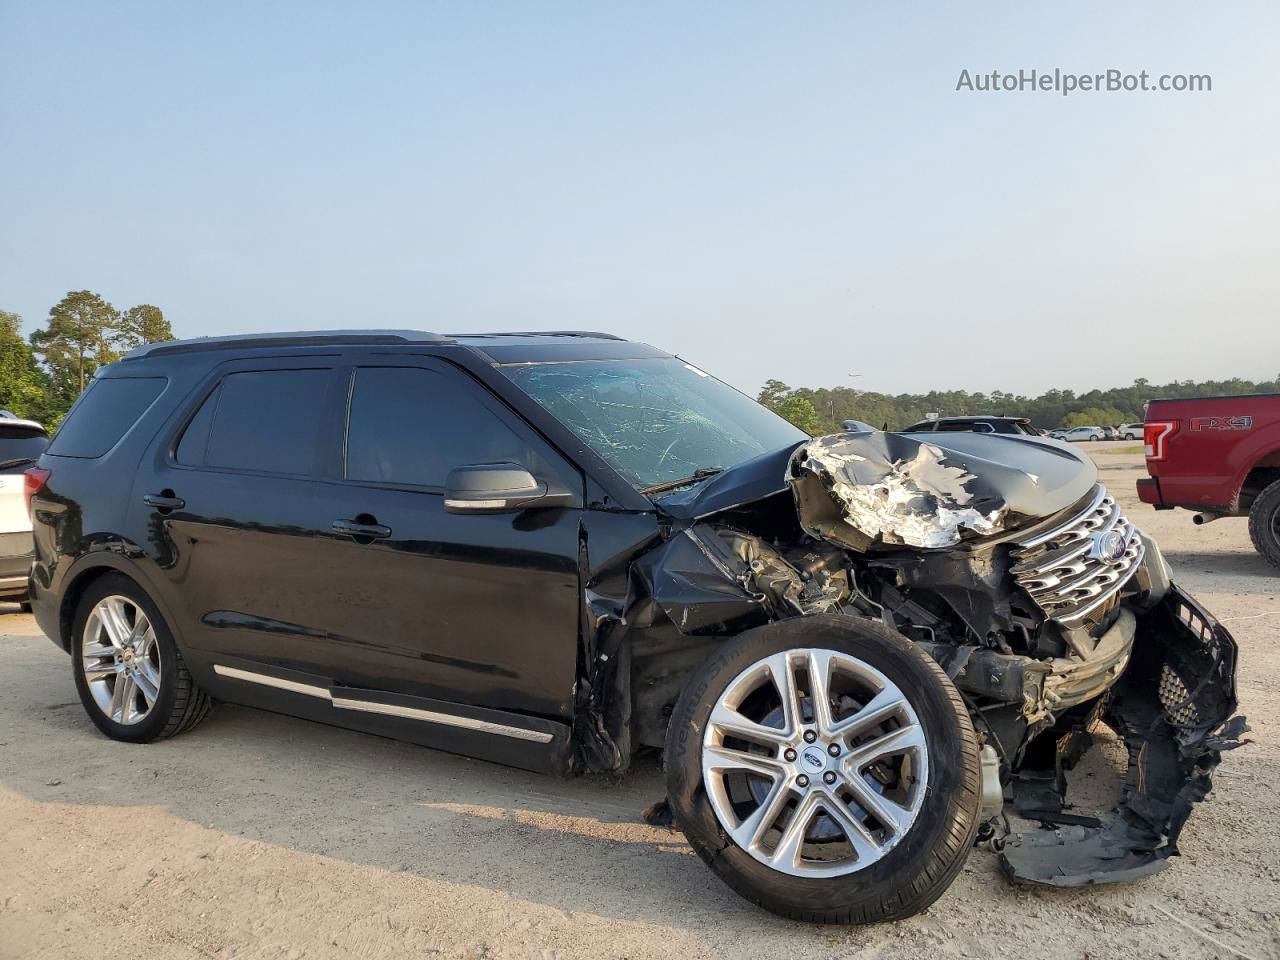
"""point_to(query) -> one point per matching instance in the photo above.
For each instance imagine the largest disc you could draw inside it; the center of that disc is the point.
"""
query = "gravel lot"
(262, 836)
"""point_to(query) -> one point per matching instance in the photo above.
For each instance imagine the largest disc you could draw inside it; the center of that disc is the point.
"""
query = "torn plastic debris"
(1174, 709)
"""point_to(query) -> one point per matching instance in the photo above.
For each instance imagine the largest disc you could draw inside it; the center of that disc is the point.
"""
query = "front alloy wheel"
(826, 769)
(815, 762)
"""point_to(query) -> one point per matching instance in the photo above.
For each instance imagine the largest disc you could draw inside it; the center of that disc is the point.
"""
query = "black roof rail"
(294, 338)
(543, 333)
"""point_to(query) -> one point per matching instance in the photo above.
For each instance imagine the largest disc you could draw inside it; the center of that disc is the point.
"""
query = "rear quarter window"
(103, 415)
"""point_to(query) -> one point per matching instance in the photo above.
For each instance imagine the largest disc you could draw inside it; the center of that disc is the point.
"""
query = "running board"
(458, 728)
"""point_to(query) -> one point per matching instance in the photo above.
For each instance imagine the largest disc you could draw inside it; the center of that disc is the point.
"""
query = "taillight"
(1154, 436)
(33, 481)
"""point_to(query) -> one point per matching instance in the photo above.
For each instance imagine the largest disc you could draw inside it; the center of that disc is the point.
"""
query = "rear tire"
(1264, 523)
(128, 670)
(899, 870)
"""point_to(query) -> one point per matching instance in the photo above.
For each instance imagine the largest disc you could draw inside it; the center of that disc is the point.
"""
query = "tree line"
(821, 410)
(41, 376)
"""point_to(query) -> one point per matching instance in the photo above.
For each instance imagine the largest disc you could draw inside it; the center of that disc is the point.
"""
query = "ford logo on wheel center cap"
(814, 758)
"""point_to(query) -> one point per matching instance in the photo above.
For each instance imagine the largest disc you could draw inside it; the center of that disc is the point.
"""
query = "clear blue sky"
(787, 190)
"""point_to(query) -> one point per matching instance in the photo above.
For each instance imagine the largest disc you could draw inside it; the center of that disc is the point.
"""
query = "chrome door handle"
(161, 502)
(375, 531)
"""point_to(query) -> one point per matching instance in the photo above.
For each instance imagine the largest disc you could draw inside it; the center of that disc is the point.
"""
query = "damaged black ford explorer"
(858, 653)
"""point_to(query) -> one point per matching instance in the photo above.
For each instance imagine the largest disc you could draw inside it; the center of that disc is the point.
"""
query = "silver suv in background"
(21, 443)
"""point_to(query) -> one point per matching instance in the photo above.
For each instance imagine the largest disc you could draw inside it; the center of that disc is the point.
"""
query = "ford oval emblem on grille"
(1108, 547)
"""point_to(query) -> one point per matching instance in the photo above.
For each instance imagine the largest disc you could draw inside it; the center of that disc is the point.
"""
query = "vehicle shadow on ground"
(574, 845)
(1233, 563)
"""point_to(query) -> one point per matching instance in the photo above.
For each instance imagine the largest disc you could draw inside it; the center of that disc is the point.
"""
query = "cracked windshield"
(655, 421)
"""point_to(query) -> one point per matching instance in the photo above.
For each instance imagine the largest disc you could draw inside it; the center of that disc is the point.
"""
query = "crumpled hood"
(931, 490)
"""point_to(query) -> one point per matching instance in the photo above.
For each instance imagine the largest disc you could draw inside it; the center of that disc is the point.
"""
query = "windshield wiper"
(700, 474)
(21, 461)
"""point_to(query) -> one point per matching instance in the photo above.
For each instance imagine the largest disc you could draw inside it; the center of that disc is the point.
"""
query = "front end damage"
(1000, 556)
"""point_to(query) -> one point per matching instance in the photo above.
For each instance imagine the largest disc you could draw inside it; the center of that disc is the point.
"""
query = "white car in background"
(1082, 433)
(21, 443)
(1130, 431)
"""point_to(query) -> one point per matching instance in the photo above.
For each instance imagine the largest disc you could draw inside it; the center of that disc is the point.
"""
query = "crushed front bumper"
(1174, 707)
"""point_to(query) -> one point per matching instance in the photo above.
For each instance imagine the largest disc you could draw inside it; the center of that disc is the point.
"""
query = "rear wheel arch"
(87, 571)
(1264, 523)
(1264, 472)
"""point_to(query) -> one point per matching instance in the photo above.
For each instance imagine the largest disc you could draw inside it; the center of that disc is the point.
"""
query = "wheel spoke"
(111, 616)
(894, 817)
(864, 845)
(101, 671)
(150, 688)
(753, 829)
(141, 628)
(122, 699)
(731, 722)
(784, 679)
(885, 704)
(820, 689)
(147, 642)
(103, 650)
(724, 758)
(910, 737)
(787, 853)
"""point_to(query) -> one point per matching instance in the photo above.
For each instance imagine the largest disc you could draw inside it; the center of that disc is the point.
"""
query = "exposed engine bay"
(1006, 561)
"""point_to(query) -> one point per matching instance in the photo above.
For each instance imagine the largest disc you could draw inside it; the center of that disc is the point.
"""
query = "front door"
(481, 608)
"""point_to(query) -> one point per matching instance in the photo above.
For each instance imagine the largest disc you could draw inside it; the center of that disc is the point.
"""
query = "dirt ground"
(261, 836)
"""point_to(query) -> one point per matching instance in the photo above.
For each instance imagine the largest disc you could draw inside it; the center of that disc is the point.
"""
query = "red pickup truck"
(1219, 456)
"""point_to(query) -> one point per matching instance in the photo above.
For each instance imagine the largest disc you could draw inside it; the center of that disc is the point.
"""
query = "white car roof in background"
(19, 422)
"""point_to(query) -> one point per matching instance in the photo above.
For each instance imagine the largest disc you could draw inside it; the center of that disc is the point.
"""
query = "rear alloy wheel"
(826, 769)
(1264, 523)
(128, 671)
(121, 660)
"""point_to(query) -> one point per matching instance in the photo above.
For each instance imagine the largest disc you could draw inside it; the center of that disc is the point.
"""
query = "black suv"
(555, 550)
(983, 424)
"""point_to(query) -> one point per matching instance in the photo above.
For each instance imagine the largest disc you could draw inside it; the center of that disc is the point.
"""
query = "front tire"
(1264, 523)
(855, 806)
(128, 670)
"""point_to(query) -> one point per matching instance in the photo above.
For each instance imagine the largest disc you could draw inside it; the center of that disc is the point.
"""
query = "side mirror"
(500, 488)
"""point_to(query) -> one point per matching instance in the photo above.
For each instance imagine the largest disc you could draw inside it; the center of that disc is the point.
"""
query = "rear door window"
(103, 415)
(259, 421)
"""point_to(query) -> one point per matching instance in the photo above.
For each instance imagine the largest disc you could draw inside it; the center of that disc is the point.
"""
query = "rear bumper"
(16, 552)
(1149, 491)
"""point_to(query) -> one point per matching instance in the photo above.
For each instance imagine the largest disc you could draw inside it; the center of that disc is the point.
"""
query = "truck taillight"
(1155, 434)
(33, 481)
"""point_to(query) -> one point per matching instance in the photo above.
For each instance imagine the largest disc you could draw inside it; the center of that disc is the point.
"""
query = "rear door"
(230, 502)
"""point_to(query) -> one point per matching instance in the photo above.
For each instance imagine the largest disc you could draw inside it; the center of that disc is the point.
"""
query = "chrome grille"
(1068, 571)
